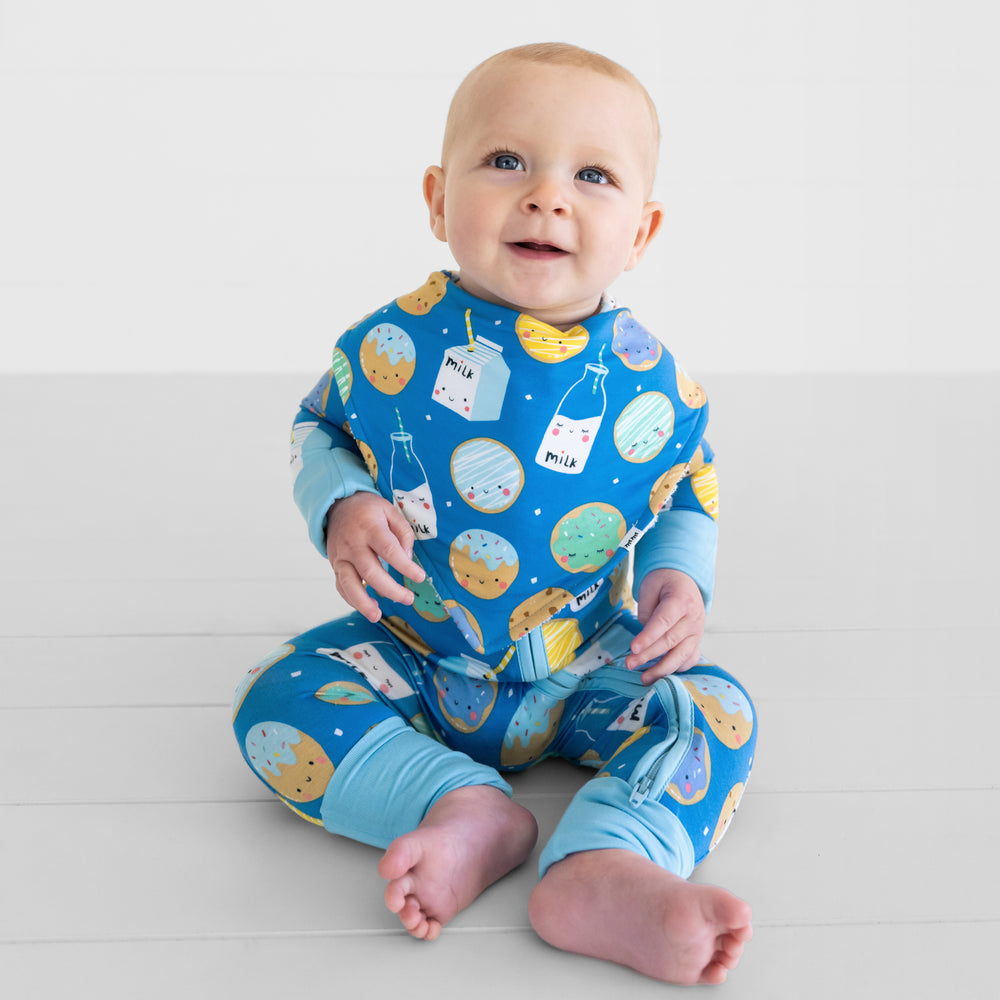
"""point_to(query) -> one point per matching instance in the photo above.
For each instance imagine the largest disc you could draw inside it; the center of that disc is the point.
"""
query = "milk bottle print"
(410, 490)
(572, 429)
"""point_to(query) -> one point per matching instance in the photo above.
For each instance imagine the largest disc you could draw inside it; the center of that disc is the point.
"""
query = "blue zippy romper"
(542, 472)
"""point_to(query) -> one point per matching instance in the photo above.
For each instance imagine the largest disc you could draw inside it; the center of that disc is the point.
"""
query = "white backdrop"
(223, 185)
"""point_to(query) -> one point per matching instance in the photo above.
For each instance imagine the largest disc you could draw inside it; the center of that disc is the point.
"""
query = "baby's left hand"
(672, 612)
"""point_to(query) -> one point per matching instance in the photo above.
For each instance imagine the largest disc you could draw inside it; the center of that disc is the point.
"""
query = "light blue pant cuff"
(390, 778)
(601, 816)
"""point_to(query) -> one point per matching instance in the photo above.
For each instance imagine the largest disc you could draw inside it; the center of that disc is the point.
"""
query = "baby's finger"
(660, 634)
(351, 588)
(398, 552)
(382, 583)
(682, 657)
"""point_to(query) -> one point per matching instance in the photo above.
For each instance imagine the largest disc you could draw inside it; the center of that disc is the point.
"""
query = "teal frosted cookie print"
(342, 375)
(426, 601)
(644, 427)
(587, 537)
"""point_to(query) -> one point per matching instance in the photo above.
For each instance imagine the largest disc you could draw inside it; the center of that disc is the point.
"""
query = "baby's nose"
(547, 195)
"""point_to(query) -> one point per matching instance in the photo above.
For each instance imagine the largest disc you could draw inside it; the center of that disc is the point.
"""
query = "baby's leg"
(614, 882)
(330, 722)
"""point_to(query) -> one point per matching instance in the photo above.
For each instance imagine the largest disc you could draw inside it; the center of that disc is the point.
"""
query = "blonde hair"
(556, 54)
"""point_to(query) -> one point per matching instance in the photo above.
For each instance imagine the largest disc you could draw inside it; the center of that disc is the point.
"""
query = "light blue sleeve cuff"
(327, 474)
(684, 540)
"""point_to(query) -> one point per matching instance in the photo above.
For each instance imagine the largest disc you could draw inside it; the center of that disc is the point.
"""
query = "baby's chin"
(557, 315)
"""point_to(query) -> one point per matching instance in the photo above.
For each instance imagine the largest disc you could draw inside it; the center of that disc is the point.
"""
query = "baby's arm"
(348, 520)
(361, 530)
(675, 575)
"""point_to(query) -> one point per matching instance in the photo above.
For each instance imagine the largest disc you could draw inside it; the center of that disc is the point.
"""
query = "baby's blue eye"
(592, 176)
(507, 161)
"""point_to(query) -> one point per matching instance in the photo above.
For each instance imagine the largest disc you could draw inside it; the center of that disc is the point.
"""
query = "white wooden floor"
(151, 553)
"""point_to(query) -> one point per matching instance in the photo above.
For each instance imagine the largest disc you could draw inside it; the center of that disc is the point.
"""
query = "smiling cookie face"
(587, 537)
(637, 348)
(388, 358)
(546, 343)
(487, 475)
(690, 391)
(426, 297)
(483, 563)
(725, 707)
(291, 762)
(644, 427)
(466, 702)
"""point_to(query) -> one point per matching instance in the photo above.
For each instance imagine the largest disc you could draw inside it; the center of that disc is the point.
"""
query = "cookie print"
(637, 348)
(388, 358)
(345, 693)
(728, 811)
(725, 707)
(250, 678)
(487, 475)
(290, 761)
(690, 781)
(467, 624)
(546, 343)
(466, 702)
(483, 563)
(705, 484)
(537, 609)
(691, 392)
(644, 427)
(586, 538)
(317, 400)
(532, 729)
(426, 601)
(426, 297)
(664, 487)
(342, 374)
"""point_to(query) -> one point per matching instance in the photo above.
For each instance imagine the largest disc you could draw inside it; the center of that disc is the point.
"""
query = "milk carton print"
(571, 432)
(365, 659)
(472, 380)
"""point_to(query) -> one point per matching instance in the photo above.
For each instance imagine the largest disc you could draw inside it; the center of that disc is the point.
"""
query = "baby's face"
(542, 193)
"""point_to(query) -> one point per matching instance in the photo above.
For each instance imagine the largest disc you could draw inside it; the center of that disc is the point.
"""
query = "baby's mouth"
(539, 247)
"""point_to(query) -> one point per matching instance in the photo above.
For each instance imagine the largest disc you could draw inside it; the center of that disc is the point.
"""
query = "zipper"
(658, 765)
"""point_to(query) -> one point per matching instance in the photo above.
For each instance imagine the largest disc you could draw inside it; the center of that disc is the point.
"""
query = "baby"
(483, 463)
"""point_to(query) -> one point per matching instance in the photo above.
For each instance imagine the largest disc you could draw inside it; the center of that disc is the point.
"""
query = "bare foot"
(624, 908)
(469, 838)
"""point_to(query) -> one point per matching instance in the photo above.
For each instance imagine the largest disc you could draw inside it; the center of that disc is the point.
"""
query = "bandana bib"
(528, 461)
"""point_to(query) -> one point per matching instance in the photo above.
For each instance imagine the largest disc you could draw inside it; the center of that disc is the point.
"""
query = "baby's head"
(546, 172)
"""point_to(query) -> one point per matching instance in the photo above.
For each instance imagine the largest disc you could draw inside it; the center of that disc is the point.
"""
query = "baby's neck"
(564, 324)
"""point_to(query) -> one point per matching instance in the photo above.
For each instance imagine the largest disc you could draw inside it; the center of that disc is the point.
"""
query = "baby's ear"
(652, 219)
(434, 196)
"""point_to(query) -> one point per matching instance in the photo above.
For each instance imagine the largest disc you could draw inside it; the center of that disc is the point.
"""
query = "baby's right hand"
(362, 529)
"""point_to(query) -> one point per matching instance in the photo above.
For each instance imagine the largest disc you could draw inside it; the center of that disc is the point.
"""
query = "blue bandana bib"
(528, 460)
